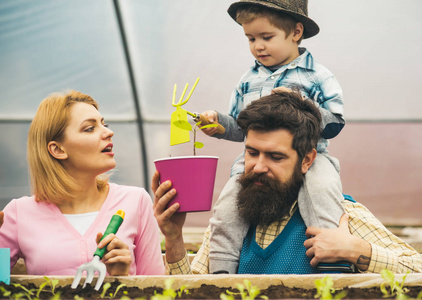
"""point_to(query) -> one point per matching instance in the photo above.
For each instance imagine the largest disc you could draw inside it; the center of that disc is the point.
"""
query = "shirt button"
(293, 64)
(272, 77)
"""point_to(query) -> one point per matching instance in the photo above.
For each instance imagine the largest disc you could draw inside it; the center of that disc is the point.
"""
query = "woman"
(58, 228)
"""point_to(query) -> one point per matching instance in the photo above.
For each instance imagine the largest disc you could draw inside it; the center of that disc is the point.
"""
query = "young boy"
(274, 30)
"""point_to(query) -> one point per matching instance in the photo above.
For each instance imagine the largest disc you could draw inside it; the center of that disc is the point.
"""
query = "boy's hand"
(212, 117)
(280, 89)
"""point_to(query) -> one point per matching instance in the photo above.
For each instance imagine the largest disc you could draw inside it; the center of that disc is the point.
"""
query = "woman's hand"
(169, 220)
(117, 257)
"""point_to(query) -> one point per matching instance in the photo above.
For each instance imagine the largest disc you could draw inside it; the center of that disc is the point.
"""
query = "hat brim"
(310, 27)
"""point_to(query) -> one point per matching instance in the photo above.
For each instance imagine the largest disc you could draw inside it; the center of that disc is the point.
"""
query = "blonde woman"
(57, 229)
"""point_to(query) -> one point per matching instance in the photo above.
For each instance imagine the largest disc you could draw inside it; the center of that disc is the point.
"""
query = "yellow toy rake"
(180, 127)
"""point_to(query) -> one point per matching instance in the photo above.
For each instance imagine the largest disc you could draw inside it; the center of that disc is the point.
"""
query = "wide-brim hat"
(297, 9)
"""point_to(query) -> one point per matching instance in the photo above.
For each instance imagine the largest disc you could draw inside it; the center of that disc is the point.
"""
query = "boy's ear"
(308, 160)
(56, 150)
(298, 31)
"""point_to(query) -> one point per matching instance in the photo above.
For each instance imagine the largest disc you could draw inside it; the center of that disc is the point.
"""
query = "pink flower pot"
(193, 177)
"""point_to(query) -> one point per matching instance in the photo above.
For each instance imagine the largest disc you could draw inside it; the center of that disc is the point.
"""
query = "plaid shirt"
(312, 79)
(388, 251)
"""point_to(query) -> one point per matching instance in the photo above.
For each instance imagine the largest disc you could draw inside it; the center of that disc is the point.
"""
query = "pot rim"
(187, 156)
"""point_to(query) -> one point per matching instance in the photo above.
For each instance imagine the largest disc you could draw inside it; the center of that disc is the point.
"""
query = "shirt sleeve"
(388, 251)
(182, 267)
(232, 131)
(200, 263)
(328, 96)
(148, 255)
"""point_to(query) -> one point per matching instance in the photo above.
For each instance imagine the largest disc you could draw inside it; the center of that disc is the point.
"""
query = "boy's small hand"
(281, 89)
(212, 117)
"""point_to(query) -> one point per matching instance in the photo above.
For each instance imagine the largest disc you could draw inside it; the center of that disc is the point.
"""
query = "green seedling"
(26, 293)
(106, 286)
(396, 288)
(187, 126)
(183, 289)
(325, 289)
(246, 292)
(51, 283)
(5, 292)
(169, 293)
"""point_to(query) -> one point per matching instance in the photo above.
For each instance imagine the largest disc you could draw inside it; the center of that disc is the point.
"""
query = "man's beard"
(269, 202)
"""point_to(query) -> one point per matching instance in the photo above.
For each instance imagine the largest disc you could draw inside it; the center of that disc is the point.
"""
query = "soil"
(204, 292)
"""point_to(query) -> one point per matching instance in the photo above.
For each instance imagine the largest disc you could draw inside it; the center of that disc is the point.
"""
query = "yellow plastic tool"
(179, 126)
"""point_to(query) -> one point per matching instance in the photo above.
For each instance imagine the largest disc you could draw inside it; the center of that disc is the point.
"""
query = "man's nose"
(260, 166)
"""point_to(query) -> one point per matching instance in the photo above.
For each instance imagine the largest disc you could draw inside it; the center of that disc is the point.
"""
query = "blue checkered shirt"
(312, 79)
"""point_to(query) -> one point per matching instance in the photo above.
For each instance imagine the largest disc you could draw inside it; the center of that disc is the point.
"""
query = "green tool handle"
(113, 226)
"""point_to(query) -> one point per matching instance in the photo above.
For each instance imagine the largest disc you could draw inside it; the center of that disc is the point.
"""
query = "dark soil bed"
(204, 292)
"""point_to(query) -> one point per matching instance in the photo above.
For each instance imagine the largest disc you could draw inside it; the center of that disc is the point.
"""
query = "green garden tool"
(179, 126)
(96, 265)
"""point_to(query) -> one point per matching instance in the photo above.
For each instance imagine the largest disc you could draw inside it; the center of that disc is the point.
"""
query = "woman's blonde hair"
(50, 181)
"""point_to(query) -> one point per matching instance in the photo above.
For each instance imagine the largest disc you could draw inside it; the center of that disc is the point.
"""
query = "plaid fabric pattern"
(388, 250)
(314, 81)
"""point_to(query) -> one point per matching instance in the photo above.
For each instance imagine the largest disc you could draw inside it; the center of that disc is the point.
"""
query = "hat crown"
(298, 9)
(297, 6)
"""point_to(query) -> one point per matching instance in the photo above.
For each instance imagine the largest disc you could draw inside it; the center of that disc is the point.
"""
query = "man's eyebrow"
(250, 148)
(267, 152)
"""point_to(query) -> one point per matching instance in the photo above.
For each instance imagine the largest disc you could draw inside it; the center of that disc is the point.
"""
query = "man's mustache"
(258, 177)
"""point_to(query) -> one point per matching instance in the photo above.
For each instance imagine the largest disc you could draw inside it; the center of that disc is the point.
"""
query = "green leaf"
(226, 297)
(106, 286)
(208, 126)
(118, 288)
(198, 145)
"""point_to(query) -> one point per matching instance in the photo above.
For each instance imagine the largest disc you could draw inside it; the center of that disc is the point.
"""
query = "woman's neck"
(88, 199)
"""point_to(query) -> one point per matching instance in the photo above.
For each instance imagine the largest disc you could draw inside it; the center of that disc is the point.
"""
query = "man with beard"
(282, 131)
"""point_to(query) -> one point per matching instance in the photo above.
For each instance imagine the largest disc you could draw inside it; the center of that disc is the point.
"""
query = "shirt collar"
(304, 60)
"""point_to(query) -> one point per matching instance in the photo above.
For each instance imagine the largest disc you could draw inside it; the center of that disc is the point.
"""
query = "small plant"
(106, 286)
(5, 292)
(52, 284)
(246, 292)
(169, 293)
(26, 293)
(196, 144)
(396, 289)
(325, 289)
